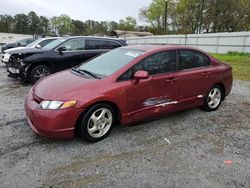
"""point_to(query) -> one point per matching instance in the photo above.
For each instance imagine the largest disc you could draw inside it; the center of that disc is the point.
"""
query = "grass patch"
(240, 63)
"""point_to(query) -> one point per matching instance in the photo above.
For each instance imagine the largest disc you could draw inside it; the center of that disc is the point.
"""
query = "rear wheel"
(97, 123)
(39, 72)
(213, 99)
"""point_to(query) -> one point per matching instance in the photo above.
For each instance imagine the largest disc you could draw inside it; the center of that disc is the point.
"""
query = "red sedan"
(126, 85)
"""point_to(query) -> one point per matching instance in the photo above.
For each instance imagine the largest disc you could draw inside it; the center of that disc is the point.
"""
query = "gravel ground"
(137, 156)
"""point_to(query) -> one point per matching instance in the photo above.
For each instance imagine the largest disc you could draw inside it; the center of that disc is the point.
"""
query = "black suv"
(63, 53)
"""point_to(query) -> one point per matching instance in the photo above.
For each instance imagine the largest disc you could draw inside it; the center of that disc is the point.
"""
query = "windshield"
(53, 44)
(33, 43)
(110, 62)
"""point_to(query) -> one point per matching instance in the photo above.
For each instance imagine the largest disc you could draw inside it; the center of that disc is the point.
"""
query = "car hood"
(28, 51)
(13, 49)
(65, 85)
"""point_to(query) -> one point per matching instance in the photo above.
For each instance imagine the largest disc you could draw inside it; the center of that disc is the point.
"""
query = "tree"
(154, 15)
(33, 23)
(61, 25)
(228, 15)
(6, 23)
(21, 24)
(78, 27)
(44, 25)
(112, 26)
(129, 24)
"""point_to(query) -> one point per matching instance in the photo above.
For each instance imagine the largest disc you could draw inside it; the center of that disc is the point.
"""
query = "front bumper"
(16, 71)
(53, 124)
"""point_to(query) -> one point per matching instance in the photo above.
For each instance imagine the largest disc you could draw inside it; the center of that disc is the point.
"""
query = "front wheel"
(213, 99)
(39, 72)
(97, 123)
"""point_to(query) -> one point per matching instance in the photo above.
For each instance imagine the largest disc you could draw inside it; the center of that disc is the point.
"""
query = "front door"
(74, 54)
(156, 95)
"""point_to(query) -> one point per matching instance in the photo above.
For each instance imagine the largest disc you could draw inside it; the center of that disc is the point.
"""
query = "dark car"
(23, 42)
(63, 53)
(126, 85)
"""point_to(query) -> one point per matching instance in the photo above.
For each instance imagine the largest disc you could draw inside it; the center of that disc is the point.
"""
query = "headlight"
(53, 105)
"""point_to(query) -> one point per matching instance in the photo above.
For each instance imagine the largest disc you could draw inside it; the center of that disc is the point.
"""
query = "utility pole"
(201, 16)
(166, 17)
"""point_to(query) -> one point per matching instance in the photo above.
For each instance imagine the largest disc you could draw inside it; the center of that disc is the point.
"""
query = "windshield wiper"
(84, 72)
(90, 73)
(77, 70)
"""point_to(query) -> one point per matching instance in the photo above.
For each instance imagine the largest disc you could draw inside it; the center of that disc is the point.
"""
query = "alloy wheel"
(214, 98)
(41, 72)
(99, 122)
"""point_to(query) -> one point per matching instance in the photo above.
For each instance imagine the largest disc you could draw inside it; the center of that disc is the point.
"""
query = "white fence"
(212, 42)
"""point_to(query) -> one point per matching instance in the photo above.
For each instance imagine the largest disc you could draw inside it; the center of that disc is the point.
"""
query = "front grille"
(14, 63)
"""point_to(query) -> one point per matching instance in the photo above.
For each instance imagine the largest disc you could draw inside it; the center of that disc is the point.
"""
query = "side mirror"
(38, 46)
(139, 75)
(61, 49)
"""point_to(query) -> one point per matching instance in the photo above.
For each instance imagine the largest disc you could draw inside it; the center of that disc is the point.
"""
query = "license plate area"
(14, 70)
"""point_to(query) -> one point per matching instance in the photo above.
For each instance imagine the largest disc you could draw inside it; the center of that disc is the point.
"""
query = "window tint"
(75, 44)
(192, 59)
(159, 63)
(45, 42)
(113, 44)
(96, 44)
(101, 44)
(22, 42)
(28, 41)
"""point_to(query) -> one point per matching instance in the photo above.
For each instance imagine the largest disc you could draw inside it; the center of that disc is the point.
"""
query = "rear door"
(194, 76)
(157, 94)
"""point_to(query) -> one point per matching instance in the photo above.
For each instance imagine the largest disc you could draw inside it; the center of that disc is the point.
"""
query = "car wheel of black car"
(97, 123)
(213, 99)
(38, 72)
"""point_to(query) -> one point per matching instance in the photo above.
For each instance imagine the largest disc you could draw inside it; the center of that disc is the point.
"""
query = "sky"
(99, 10)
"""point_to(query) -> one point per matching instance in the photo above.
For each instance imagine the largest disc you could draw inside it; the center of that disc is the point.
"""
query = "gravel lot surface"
(188, 149)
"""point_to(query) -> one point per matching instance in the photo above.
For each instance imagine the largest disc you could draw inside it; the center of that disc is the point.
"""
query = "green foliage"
(154, 15)
(183, 17)
(21, 24)
(6, 23)
(198, 16)
(63, 25)
(233, 53)
(240, 64)
(129, 24)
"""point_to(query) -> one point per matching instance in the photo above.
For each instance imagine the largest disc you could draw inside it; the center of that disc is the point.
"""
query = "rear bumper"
(53, 124)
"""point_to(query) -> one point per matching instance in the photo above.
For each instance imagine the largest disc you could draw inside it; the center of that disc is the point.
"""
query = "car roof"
(91, 37)
(153, 47)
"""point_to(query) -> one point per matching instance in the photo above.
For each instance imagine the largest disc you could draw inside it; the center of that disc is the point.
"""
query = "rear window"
(92, 44)
(192, 59)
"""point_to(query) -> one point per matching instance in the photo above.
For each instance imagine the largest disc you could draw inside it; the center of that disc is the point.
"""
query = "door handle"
(205, 73)
(171, 80)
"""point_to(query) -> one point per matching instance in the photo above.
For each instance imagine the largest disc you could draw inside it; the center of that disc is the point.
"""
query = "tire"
(213, 99)
(96, 123)
(39, 72)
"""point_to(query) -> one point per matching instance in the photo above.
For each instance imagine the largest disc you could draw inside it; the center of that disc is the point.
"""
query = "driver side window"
(74, 45)
(158, 63)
